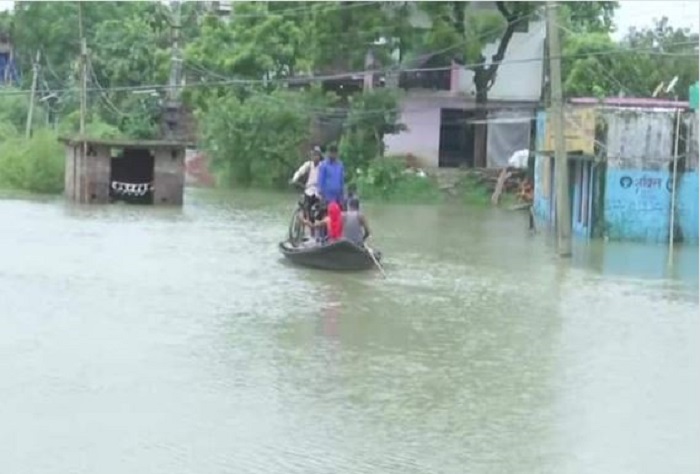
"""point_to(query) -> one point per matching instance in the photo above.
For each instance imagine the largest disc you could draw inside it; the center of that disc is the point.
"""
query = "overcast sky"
(681, 13)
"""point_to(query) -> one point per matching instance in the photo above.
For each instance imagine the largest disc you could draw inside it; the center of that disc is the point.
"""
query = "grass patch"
(388, 180)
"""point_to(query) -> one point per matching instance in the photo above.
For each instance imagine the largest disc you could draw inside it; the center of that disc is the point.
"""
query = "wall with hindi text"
(638, 205)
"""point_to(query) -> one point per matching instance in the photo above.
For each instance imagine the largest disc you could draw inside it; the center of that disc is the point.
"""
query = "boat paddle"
(374, 259)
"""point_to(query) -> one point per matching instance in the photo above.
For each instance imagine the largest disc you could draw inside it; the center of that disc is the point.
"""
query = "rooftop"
(631, 102)
(123, 143)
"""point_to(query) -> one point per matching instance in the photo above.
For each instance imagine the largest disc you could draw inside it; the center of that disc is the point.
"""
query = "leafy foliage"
(14, 108)
(635, 70)
(35, 165)
(372, 115)
(258, 141)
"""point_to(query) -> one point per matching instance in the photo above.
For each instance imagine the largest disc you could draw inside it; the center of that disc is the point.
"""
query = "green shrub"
(14, 107)
(70, 125)
(373, 114)
(258, 141)
(387, 179)
(35, 165)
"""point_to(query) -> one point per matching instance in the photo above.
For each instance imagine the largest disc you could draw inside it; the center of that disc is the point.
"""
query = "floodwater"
(177, 341)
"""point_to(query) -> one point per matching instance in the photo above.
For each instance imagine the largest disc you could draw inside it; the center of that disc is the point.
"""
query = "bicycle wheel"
(296, 227)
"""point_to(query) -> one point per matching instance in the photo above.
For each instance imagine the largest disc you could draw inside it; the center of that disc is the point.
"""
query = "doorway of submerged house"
(131, 176)
(582, 184)
(456, 148)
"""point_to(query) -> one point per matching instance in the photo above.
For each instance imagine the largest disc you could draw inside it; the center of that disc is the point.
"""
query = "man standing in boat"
(310, 169)
(331, 178)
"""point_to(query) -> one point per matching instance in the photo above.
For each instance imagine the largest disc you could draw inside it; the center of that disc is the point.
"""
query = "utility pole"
(172, 118)
(32, 97)
(83, 70)
(674, 178)
(561, 165)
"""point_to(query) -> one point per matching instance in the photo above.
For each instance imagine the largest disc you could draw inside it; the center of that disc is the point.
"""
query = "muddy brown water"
(176, 341)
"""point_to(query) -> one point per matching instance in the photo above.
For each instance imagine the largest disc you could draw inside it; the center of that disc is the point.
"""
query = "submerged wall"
(542, 200)
(638, 183)
(636, 196)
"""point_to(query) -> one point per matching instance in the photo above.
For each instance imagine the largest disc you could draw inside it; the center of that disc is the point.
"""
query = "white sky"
(681, 13)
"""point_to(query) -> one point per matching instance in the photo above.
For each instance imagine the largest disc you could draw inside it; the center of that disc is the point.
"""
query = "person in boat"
(310, 170)
(332, 223)
(331, 177)
(355, 227)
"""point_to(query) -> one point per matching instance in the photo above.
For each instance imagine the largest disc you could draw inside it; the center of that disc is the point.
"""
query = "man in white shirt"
(310, 170)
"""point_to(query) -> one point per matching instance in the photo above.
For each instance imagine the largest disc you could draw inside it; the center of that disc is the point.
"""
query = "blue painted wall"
(638, 204)
(541, 201)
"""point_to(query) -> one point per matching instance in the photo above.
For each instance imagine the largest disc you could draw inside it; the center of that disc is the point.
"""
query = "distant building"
(223, 10)
(439, 106)
(620, 166)
(9, 74)
(133, 171)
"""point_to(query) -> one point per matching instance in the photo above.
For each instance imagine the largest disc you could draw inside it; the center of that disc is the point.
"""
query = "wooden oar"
(374, 259)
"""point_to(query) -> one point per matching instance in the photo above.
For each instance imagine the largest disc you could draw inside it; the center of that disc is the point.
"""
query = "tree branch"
(513, 19)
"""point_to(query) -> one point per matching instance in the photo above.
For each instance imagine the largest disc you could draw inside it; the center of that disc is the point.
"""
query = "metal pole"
(32, 97)
(671, 226)
(563, 204)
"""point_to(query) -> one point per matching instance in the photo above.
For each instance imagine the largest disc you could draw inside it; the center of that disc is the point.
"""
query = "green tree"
(372, 115)
(53, 28)
(14, 107)
(132, 51)
(257, 141)
(342, 33)
(595, 65)
(663, 52)
(262, 43)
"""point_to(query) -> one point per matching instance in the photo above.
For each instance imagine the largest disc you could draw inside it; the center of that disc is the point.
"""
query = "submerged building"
(621, 160)
(132, 171)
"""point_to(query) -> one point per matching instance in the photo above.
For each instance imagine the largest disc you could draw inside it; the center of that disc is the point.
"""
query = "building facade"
(624, 190)
(438, 108)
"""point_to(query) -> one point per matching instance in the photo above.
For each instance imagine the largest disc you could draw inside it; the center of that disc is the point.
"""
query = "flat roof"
(631, 102)
(123, 143)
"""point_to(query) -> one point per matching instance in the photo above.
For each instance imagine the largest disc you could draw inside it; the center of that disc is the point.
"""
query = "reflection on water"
(177, 341)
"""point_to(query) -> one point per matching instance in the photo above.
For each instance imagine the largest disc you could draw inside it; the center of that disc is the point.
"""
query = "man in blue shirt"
(331, 177)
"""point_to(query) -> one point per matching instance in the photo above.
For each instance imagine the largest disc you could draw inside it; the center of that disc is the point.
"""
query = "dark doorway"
(456, 138)
(131, 176)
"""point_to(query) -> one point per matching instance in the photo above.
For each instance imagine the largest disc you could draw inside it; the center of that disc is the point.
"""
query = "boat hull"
(336, 256)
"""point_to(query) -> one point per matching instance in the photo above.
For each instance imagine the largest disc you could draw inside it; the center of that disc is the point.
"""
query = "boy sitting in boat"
(351, 225)
(332, 223)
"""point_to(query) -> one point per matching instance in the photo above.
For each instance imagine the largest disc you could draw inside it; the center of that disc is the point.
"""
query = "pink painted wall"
(420, 112)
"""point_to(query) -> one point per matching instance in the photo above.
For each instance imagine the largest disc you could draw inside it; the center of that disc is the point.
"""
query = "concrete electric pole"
(32, 97)
(561, 165)
(172, 106)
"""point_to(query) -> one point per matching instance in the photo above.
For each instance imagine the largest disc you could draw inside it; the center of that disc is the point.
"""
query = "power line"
(357, 74)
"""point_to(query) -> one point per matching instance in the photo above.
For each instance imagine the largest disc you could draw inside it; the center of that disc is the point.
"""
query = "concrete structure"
(139, 172)
(623, 191)
(439, 111)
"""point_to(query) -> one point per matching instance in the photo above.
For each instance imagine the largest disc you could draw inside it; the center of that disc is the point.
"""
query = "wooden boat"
(341, 255)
